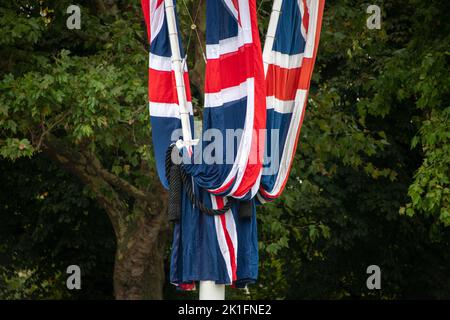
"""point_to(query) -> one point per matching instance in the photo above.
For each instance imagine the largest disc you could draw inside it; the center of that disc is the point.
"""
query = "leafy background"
(369, 185)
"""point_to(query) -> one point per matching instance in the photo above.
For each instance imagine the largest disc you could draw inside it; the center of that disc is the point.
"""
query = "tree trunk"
(139, 265)
(137, 216)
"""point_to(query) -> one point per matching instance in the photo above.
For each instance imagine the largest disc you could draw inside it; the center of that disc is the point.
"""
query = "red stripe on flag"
(223, 188)
(162, 86)
(282, 82)
(305, 18)
(187, 286)
(145, 4)
(228, 70)
(306, 73)
(236, 5)
(304, 83)
(230, 245)
(253, 169)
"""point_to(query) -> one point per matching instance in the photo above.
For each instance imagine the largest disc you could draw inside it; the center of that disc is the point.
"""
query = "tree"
(79, 97)
(370, 181)
(48, 224)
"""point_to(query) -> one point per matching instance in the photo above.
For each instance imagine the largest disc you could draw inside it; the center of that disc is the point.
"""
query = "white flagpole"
(177, 64)
(208, 290)
(270, 36)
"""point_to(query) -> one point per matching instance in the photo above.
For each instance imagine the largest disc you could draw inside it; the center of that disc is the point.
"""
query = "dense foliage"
(371, 179)
(47, 225)
(370, 182)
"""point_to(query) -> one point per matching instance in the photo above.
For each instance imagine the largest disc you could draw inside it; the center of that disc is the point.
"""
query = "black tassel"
(245, 209)
(175, 192)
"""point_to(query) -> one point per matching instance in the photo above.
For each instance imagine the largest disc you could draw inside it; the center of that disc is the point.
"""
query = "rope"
(194, 27)
(260, 5)
(174, 172)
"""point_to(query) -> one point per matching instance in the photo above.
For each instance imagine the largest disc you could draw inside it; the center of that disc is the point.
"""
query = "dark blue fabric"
(230, 116)
(280, 122)
(220, 23)
(196, 253)
(288, 38)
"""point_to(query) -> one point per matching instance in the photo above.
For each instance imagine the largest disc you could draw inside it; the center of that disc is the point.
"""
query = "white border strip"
(217, 99)
(282, 106)
(167, 110)
(221, 239)
(285, 60)
(291, 138)
(156, 19)
(243, 152)
(161, 63)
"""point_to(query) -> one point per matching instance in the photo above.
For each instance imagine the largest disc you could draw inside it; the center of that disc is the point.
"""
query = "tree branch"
(88, 168)
(122, 184)
(77, 164)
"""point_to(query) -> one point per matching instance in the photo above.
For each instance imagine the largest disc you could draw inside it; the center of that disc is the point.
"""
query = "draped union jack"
(243, 94)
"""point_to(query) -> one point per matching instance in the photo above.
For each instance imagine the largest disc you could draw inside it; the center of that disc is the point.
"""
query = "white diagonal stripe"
(167, 110)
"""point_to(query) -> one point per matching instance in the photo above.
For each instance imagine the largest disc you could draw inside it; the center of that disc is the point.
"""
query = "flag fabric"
(239, 99)
(225, 248)
(221, 248)
(234, 101)
(288, 77)
(162, 94)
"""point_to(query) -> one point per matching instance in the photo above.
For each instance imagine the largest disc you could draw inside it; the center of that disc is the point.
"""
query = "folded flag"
(162, 94)
(234, 101)
(243, 98)
(224, 248)
(289, 62)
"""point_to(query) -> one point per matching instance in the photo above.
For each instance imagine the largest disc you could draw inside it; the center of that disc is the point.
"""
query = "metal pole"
(177, 64)
(209, 290)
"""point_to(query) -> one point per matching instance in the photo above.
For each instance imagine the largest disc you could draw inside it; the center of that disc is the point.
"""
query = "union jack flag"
(234, 100)
(289, 67)
(162, 93)
(241, 93)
